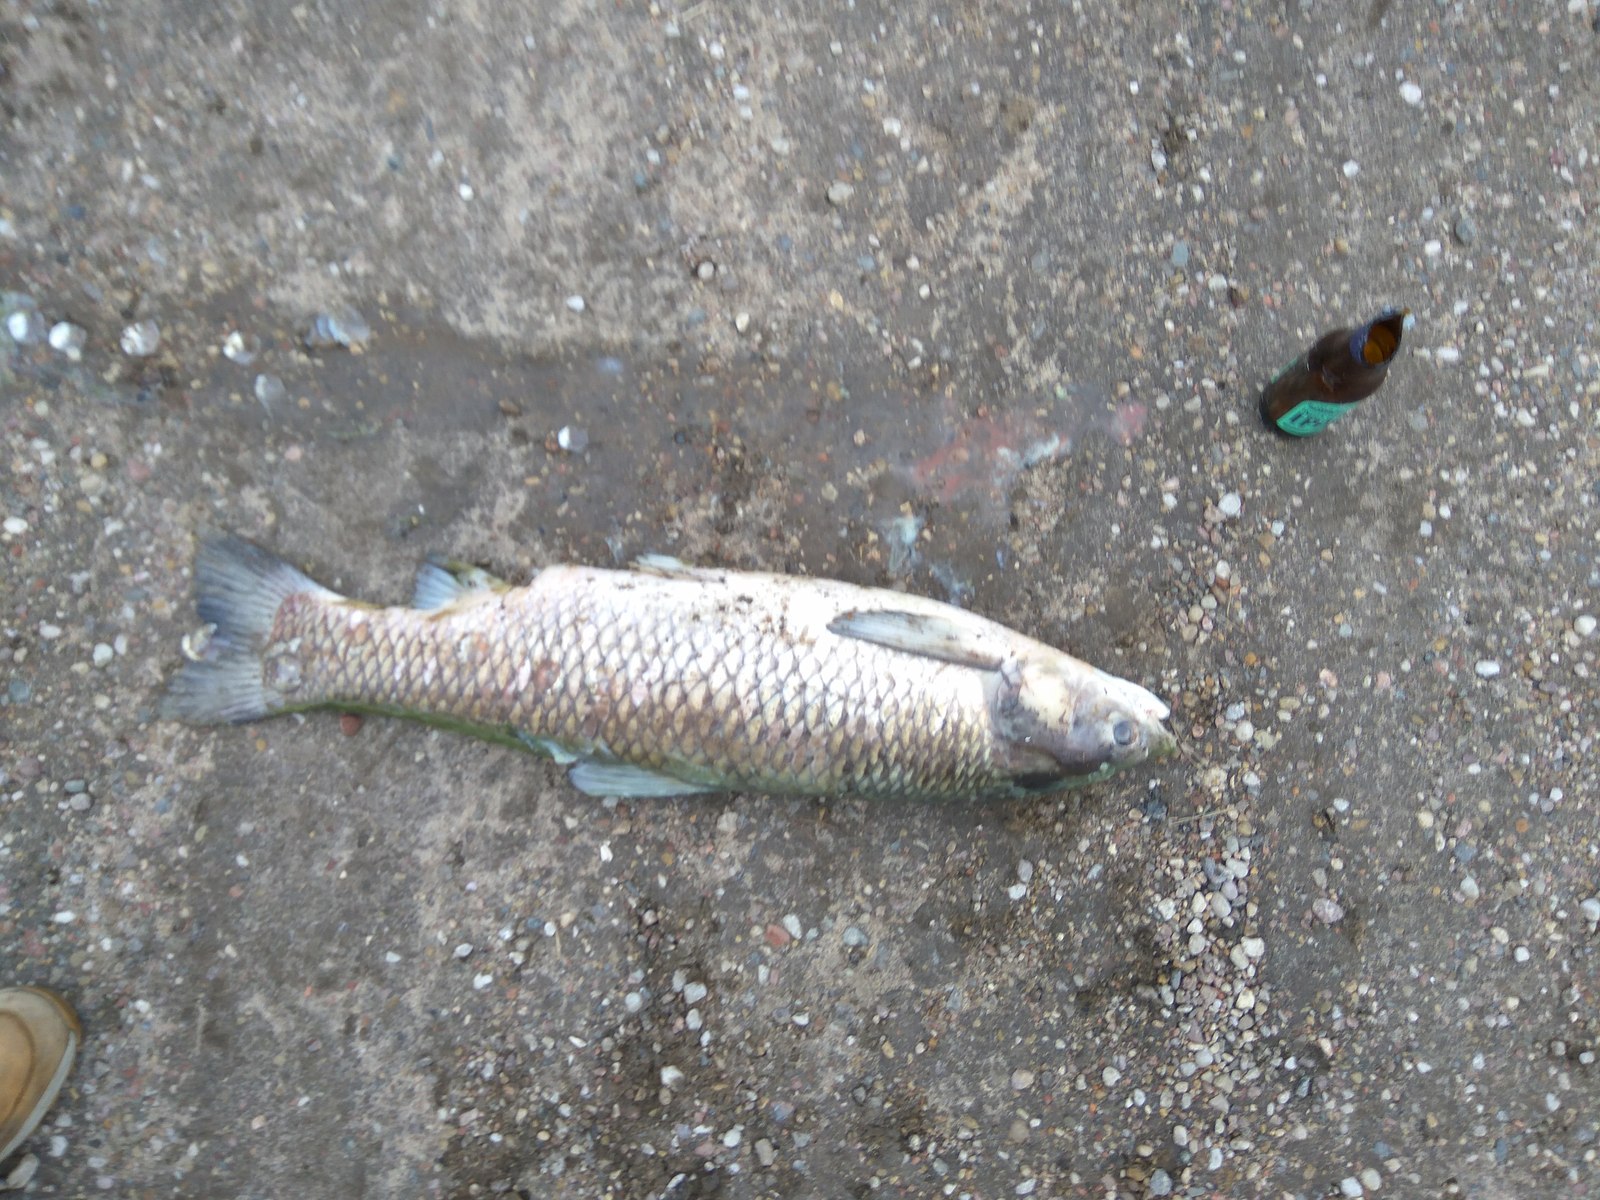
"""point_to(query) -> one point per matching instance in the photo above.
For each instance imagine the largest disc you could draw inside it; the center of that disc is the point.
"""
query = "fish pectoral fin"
(669, 567)
(440, 583)
(625, 781)
(918, 633)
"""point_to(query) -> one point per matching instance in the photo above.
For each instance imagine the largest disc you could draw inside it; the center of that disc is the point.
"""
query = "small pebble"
(576, 304)
(1466, 229)
(342, 327)
(741, 322)
(103, 654)
(1180, 254)
(1410, 92)
(693, 993)
(766, 1154)
(16, 526)
(22, 1174)
(1021, 1079)
(633, 1002)
(1469, 887)
(1351, 168)
(839, 192)
(464, 949)
(1350, 1186)
(68, 339)
(1110, 1076)
(1327, 910)
(479, 982)
(791, 924)
(269, 389)
(1487, 668)
(27, 327)
(1591, 910)
(854, 936)
(1584, 626)
(241, 348)
(706, 271)
(671, 1076)
(141, 339)
(1160, 1183)
(572, 440)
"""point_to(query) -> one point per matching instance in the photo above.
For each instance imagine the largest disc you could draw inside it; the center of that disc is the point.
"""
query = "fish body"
(667, 679)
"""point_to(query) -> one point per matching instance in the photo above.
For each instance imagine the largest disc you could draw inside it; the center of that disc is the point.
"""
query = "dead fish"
(668, 679)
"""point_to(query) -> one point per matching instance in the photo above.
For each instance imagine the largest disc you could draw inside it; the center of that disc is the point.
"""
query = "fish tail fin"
(239, 588)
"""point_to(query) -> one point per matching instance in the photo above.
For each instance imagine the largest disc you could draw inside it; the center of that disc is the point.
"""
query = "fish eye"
(1123, 732)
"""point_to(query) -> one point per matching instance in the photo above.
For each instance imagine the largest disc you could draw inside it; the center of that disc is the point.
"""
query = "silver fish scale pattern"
(720, 695)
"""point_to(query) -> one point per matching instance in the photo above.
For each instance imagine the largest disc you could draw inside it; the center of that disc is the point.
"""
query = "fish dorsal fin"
(441, 583)
(920, 633)
(626, 781)
(669, 567)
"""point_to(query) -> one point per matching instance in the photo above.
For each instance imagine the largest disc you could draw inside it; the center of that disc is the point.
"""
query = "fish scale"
(674, 679)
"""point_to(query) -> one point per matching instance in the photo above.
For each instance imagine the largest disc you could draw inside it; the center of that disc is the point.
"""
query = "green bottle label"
(1311, 416)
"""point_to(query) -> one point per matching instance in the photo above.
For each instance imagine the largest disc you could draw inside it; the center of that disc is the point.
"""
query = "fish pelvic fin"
(627, 781)
(239, 588)
(440, 583)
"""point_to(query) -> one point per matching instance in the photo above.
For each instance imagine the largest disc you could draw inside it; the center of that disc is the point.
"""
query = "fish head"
(1066, 724)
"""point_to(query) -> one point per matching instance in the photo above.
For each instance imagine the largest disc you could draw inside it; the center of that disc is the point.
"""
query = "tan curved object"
(39, 1036)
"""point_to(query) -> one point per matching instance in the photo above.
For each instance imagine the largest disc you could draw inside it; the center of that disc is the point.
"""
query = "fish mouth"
(1162, 743)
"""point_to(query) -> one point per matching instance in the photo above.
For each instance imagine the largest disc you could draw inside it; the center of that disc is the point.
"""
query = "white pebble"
(465, 191)
(16, 525)
(633, 1002)
(1591, 910)
(1246, 1000)
(1487, 668)
(1469, 888)
(693, 993)
(1351, 1186)
(1351, 168)
(479, 982)
(22, 1174)
(1021, 1079)
(103, 654)
(1583, 626)
(839, 192)
(1110, 1076)
(671, 1077)
(576, 304)
(792, 926)
(464, 949)
(1447, 354)
(1230, 504)
(1017, 891)
(65, 917)
(1411, 93)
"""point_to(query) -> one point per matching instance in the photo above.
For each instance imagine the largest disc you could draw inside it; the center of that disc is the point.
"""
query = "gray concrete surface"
(1341, 947)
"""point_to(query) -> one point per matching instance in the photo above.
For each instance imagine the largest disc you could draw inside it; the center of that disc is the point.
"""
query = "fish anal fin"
(626, 781)
(440, 583)
(919, 633)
